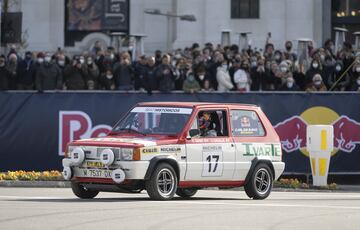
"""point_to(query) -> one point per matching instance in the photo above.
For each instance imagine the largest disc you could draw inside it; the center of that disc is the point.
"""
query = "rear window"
(246, 123)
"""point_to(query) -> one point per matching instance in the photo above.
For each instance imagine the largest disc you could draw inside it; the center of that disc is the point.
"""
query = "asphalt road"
(50, 208)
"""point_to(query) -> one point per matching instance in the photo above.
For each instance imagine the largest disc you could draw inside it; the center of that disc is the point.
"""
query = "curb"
(35, 184)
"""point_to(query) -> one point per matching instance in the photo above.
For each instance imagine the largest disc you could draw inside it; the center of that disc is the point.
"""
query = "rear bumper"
(278, 168)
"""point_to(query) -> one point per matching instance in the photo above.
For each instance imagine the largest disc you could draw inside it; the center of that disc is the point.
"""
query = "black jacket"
(48, 77)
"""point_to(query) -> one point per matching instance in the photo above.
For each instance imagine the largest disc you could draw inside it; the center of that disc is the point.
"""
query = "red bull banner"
(35, 127)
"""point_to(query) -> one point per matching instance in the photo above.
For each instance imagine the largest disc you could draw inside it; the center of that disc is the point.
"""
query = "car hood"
(127, 141)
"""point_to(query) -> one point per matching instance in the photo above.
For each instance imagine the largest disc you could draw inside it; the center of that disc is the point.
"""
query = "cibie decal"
(75, 125)
(150, 150)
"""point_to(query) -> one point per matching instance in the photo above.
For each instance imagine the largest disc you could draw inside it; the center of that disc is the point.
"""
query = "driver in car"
(206, 125)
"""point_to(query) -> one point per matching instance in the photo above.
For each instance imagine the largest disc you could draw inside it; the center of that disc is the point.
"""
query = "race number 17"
(212, 164)
(210, 159)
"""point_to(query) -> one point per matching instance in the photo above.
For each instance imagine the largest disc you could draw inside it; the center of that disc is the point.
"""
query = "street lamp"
(169, 16)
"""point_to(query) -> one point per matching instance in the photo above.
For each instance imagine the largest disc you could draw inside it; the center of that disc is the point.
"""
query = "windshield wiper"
(129, 130)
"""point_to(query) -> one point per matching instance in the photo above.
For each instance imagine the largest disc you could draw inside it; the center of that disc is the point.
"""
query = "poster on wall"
(94, 15)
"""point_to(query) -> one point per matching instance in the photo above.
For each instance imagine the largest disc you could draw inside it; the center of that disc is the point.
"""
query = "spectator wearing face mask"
(190, 83)
(48, 75)
(317, 84)
(75, 76)
(355, 86)
(27, 73)
(223, 78)
(13, 69)
(92, 73)
(165, 75)
(315, 68)
(289, 54)
(284, 72)
(4, 74)
(289, 85)
(242, 77)
(278, 57)
(259, 77)
(201, 76)
(334, 78)
(106, 80)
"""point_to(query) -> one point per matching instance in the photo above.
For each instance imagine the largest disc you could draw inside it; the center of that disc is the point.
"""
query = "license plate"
(94, 164)
(94, 173)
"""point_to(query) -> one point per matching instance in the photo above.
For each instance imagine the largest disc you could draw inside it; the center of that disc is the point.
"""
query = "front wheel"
(163, 183)
(260, 183)
(81, 192)
(186, 192)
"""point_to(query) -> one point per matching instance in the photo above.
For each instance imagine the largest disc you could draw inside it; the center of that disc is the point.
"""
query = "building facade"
(44, 22)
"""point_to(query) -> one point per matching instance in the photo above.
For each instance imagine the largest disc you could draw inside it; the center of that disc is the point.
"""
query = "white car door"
(210, 158)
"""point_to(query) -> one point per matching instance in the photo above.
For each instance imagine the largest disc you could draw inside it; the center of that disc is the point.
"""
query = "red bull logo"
(292, 131)
(74, 125)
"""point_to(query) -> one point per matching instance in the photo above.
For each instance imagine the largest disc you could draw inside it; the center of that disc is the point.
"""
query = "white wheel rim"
(262, 181)
(165, 181)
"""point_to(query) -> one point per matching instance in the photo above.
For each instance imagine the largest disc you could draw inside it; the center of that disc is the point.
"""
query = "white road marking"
(270, 205)
(206, 203)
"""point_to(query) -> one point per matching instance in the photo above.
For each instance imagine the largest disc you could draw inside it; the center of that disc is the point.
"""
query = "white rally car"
(170, 148)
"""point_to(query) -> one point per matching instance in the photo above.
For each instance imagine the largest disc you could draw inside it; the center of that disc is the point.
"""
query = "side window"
(212, 123)
(246, 123)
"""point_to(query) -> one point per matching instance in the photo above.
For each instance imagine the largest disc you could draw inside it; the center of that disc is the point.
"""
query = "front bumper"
(134, 170)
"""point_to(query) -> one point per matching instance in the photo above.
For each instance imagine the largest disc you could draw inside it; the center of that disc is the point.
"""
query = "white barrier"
(319, 144)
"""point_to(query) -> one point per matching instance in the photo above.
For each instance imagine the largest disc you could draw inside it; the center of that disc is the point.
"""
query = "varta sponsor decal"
(262, 150)
(152, 150)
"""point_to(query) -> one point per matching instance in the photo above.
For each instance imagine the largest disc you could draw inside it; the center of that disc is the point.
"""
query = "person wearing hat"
(317, 84)
(27, 73)
(4, 74)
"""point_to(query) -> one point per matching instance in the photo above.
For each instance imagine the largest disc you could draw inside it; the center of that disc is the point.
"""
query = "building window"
(245, 8)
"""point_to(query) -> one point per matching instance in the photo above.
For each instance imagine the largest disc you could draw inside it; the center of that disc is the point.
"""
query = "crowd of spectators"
(191, 69)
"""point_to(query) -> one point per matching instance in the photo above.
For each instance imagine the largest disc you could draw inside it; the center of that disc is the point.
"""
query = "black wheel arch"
(254, 163)
(162, 159)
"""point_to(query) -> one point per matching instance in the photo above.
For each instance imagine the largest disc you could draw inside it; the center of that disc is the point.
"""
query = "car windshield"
(154, 120)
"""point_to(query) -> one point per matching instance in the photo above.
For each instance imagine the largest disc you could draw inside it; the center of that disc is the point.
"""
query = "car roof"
(195, 104)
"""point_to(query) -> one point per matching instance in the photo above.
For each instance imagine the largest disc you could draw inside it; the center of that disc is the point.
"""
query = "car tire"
(162, 184)
(260, 183)
(186, 192)
(81, 192)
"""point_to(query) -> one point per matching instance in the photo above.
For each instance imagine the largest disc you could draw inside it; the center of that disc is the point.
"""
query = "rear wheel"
(81, 192)
(163, 183)
(260, 183)
(186, 192)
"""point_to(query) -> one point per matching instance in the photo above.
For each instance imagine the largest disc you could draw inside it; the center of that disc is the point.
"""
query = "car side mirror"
(194, 132)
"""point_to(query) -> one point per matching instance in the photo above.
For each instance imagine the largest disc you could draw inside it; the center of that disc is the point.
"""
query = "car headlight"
(127, 154)
(69, 151)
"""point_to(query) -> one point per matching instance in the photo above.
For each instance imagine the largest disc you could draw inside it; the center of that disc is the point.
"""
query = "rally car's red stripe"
(184, 184)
